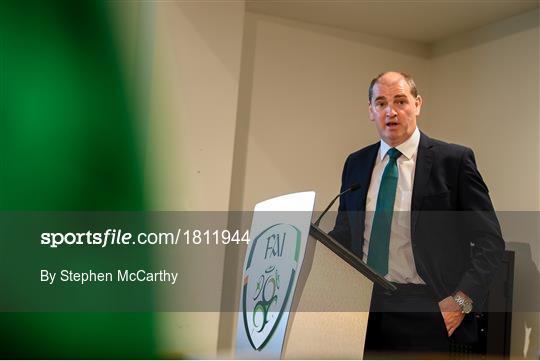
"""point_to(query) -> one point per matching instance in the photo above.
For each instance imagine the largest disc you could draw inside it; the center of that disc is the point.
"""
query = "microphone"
(350, 189)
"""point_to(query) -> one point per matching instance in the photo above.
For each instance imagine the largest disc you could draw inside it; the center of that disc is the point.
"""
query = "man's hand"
(451, 313)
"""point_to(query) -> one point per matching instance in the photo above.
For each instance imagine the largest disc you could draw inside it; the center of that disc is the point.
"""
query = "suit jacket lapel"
(424, 161)
(364, 169)
(365, 179)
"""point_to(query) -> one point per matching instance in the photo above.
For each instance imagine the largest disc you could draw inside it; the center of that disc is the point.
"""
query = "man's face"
(393, 109)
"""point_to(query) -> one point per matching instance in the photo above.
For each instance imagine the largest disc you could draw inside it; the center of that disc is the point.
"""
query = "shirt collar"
(408, 148)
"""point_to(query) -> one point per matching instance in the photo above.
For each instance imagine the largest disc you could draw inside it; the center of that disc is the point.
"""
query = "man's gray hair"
(405, 76)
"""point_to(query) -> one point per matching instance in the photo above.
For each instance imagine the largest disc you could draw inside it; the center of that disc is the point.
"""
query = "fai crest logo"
(269, 276)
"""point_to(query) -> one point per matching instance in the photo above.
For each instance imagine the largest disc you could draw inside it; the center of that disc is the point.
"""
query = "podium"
(304, 295)
(330, 308)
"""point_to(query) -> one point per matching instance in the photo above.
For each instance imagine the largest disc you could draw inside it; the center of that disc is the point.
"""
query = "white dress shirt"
(401, 267)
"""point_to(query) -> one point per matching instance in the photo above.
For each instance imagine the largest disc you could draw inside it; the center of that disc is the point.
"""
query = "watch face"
(466, 307)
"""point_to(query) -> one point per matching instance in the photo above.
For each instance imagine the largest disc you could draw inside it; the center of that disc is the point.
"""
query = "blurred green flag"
(68, 143)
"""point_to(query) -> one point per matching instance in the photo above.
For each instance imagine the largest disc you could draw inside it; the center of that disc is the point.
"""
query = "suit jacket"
(452, 250)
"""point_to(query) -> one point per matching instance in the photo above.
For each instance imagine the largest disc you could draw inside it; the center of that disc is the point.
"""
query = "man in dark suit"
(403, 222)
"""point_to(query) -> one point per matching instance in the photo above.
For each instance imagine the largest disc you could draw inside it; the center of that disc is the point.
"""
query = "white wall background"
(309, 105)
(194, 93)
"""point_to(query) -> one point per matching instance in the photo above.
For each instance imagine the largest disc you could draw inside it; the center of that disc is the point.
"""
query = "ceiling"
(417, 20)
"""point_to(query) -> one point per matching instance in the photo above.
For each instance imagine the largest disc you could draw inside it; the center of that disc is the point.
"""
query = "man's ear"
(370, 112)
(418, 103)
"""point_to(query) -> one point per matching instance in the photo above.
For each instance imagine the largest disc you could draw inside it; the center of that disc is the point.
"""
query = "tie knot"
(393, 153)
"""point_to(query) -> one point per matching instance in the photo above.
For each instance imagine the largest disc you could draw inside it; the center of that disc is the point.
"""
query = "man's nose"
(390, 112)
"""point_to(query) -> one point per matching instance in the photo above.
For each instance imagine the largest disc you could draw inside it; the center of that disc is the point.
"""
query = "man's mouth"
(391, 124)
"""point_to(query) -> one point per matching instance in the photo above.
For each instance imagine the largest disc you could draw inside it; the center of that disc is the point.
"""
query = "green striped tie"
(382, 220)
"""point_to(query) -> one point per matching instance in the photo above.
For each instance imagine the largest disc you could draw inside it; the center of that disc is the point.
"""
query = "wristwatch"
(464, 304)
